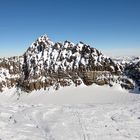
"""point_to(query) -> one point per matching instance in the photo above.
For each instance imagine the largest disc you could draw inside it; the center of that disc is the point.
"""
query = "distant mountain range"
(46, 64)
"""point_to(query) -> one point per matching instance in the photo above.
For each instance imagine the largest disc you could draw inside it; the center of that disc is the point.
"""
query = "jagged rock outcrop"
(10, 69)
(132, 70)
(46, 64)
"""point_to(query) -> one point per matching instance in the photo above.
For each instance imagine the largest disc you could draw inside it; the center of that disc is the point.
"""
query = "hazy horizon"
(108, 52)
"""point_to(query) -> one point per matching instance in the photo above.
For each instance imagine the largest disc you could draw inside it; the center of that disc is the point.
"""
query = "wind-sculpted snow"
(71, 113)
(70, 122)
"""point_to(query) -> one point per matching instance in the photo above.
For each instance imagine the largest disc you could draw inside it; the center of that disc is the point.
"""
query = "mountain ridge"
(46, 64)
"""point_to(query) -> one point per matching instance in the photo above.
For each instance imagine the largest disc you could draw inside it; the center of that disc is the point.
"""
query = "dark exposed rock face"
(127, 84)
(10, 69)
(133, 72)
(46, 64)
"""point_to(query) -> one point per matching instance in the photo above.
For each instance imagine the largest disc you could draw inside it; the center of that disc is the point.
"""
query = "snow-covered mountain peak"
(46, 64)
(45, 39)
(51, 63)
(41, 43)
(65, 56)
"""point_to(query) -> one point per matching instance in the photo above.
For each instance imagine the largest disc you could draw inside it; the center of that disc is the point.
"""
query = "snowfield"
(72, 113)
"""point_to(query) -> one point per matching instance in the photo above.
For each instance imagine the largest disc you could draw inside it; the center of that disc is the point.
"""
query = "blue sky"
(112, 26)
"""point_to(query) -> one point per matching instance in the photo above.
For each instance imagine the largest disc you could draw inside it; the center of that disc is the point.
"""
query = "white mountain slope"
(82, 113)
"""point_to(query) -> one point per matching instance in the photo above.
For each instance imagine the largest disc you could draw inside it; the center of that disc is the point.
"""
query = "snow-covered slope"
(72, 113)
(71, 122)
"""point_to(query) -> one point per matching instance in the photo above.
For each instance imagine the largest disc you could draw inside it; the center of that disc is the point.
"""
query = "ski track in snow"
(70, 122)
(73, 113)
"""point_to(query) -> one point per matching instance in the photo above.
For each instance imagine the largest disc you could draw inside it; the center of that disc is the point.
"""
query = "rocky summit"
(46, 64)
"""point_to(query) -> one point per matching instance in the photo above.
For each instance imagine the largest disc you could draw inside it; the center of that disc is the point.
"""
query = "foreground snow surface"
(94, 114)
